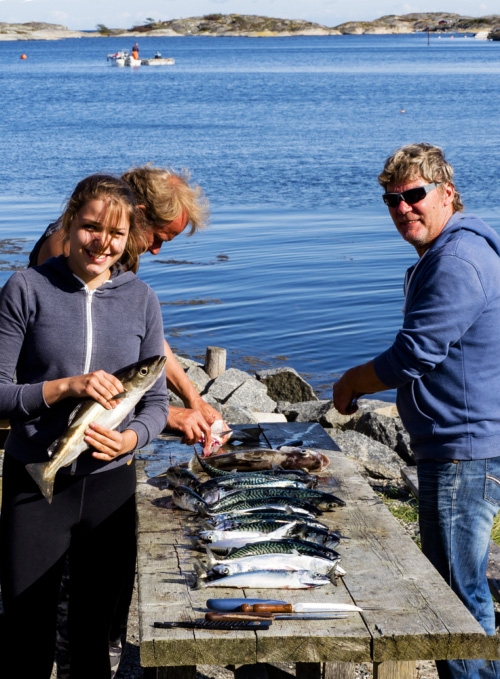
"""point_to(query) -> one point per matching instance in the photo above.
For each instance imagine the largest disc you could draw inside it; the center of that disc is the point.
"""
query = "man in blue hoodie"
(445, 365)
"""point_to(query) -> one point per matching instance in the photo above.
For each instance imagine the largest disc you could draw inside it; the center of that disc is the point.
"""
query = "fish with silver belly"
(270, 562)
(285, 546)
(261, 506)
(271, 580)
(266, 529)
(136, 379)
(322, 500)
(228, 521)
(224, 545)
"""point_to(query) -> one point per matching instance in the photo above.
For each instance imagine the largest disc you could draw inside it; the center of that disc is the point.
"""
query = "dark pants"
(92, 520)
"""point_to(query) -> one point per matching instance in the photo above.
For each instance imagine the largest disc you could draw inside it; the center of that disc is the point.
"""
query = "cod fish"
(267, 458)
(136, 379)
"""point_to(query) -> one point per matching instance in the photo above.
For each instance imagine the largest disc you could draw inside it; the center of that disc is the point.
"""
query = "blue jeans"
(457, 504)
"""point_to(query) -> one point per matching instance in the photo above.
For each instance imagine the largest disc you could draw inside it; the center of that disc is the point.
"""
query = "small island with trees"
(231, 25)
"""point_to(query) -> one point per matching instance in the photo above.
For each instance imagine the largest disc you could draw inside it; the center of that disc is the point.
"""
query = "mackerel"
(271, 580)
(325, 501)
(285, 546)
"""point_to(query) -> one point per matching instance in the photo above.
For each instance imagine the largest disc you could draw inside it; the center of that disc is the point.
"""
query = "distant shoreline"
(236, 25)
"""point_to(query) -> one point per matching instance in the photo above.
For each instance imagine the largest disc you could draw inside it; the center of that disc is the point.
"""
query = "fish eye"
(143, 371)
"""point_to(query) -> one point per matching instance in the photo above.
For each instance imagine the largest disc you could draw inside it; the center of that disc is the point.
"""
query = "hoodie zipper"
(89, 331)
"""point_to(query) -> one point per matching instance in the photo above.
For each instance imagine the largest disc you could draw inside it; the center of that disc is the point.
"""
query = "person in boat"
(444, 364)
(135, 51)
(167, 204)
(64, 331)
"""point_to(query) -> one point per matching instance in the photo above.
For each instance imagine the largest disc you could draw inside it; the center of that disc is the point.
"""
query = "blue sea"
(301, 265)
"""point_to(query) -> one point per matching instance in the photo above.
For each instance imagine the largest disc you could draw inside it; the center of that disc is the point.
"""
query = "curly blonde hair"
(416, 161)
(165, 195)
(121, 201)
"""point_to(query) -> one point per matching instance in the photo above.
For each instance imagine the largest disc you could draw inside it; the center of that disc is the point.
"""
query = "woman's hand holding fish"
(99, 385)
(108, 443)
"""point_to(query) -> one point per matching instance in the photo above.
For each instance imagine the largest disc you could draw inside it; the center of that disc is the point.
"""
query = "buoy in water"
(403, 111)
(23, 56)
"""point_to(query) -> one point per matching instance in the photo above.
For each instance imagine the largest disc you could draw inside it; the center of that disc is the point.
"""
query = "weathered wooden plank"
(410, 477)
(339, 670)
(394, 670)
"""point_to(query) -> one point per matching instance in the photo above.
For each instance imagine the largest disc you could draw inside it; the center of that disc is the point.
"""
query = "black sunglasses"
(410, 196)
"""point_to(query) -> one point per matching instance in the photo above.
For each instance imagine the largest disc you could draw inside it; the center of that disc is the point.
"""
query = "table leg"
(394, 670)
(330, 670)
(183, 672)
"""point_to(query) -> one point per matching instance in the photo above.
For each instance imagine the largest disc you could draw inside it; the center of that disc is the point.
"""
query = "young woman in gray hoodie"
(65, 327)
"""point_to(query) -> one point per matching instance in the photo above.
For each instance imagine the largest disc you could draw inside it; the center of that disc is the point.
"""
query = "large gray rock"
(307, 411)
(223, 386)
(386, 430)
(334, 419)
(198, 377)
(238, 415)
(285, 384)
(377, 461)
(186, 363)
(253, 395)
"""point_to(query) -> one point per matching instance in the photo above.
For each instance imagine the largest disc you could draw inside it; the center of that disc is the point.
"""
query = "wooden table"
(414, 616)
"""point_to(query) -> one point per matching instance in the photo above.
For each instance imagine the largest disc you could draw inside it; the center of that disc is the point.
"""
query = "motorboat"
(124, 58)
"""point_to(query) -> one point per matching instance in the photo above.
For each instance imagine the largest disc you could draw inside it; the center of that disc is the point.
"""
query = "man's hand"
(354, 383)
(190, 422)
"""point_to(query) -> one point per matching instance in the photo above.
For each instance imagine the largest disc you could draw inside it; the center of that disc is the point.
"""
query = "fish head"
(140, 376)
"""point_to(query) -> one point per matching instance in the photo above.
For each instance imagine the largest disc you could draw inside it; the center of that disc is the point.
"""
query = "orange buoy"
(23, 56)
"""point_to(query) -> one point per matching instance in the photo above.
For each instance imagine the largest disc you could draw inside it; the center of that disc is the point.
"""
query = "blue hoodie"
(445, 361)
(53, 326)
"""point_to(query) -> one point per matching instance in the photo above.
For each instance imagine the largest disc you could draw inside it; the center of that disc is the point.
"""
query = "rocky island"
(245, 25)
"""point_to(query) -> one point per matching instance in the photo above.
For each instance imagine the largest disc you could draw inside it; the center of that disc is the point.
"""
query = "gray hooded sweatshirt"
(53, 326)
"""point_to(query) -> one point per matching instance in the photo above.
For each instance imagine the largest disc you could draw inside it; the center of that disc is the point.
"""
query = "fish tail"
(36, 471)
(211, 558)
(200, 569)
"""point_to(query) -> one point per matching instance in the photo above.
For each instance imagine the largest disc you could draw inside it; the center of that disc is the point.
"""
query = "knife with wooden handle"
(274, 616)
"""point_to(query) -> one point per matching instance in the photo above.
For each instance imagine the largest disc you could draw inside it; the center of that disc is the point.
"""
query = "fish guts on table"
(265, 533)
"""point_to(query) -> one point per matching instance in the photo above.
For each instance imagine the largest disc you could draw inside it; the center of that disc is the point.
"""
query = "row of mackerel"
(257, 545)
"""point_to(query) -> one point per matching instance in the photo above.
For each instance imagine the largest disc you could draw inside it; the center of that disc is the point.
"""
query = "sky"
(86, 14)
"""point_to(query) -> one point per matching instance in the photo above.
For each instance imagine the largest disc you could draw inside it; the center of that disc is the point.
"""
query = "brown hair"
(165, 195)
(120, 201)
(416, 161)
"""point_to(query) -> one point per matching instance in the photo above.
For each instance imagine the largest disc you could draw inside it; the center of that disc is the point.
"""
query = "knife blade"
(251, 625)
(274, 616)
(312, 607)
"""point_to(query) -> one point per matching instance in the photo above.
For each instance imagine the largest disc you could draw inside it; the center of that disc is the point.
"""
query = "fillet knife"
(274, 616)
(235, 604)
(312, 607)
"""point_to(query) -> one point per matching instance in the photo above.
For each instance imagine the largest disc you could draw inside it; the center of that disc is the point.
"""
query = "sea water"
(301, 265)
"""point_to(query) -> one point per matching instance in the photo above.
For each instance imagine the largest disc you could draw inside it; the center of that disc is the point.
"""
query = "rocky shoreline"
(231, 25)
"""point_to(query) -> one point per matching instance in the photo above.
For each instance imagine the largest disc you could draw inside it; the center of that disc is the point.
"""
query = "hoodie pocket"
(414, 418)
